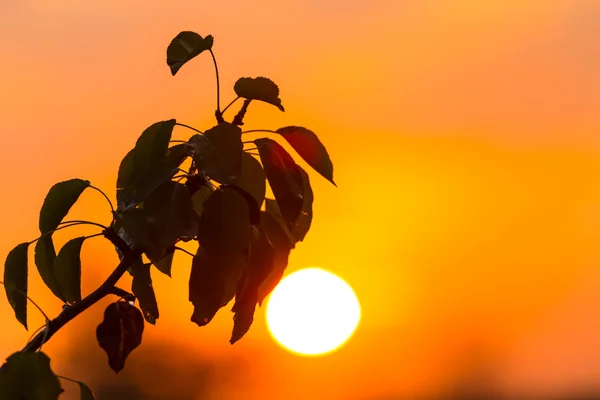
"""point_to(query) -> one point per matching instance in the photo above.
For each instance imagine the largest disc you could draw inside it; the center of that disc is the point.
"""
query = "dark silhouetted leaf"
(164, 263)
(170, 211)
(260, 265)
(44, 257)
(58, 202)
(213, 281)
(225, 223)
(224, 234)
(143, 291)
(272, 209)
(195, 183)
(310, 148)
(136, 227)
(85, 393)
(218, 152)
(199, 197)
(252, 178)
(284, 177)
(259, 88)
(15, 281)
(152, 144)
(280, 240)
(300, 228)
(28, 376)
(120, 333)
(67, 270)
(185, 46)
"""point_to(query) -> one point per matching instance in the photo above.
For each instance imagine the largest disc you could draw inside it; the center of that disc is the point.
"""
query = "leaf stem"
(29, 298)
(82, 222)
(112, 208)
(259, 130)
(70, 312)
(230, 104)
(184, 250)
(189, 127)
(218, 113)
(54, 230)
(239, 118)
(177, 141)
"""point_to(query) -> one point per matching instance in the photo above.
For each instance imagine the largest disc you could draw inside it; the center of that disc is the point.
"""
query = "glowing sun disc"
(312, 312)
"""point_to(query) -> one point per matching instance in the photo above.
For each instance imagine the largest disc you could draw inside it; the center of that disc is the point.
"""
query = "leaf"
(279, 239)
(259, 88)
(120, 333)
(157, 174)
(67, 270)
(44, 257)
(58, 202)
(170, 211)
(199, 197)
(252, 178)
(15, 281)
(185, 46)
(152, 144)
(213, 281)
(164, 263)
(142, 289)
(85, 393)
(300, 228)
(225, 223)
(218, 152)
(285, 177)
(260, 265)
(310, 148)
(28, 376)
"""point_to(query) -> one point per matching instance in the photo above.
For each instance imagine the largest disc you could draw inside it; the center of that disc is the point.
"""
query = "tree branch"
(70, 312)
(239, 118)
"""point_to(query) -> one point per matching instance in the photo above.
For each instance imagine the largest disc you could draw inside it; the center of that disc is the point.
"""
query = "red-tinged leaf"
(120, 333)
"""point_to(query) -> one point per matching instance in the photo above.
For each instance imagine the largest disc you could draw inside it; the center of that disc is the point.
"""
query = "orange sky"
(465, 139)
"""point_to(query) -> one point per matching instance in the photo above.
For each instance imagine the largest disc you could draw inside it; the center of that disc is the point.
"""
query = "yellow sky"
(465, 141)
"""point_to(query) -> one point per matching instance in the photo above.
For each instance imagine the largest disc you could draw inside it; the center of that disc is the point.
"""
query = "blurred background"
(465, 139)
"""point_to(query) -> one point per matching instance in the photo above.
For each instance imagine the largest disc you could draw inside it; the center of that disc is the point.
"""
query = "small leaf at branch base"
(58, 202)
(15, 281)
(310, 148)
(218, 152)
(260, 88)
(120, 333)
(185, 46)
(285, 177)
(142, 289)
(44, 257)
(28, 376)
(67, 270)
(199, 197)
(85, 393)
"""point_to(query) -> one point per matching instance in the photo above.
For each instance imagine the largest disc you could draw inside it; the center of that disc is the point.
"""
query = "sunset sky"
(465, 136)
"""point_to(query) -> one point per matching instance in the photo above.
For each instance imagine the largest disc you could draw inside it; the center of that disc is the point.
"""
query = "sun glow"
(312, 312)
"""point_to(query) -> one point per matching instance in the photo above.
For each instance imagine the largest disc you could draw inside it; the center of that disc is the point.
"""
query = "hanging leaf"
(171, 213)
(279, 239)
(44, 257)
(252, 178)
(185, 46)
(300, 228)
(260, 265)
(15, 281)
(142, 289)
(28, 376)
(284, 177)
(120, 333)
(272, 210)
(213, 281)
(67, 270)
(199, 197)
(58, 202)
(310, 148)
(218, 152)
(225, 223)
(164, 263)
(259, 88)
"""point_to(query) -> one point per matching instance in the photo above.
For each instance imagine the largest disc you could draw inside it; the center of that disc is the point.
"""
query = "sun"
(312, 312)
